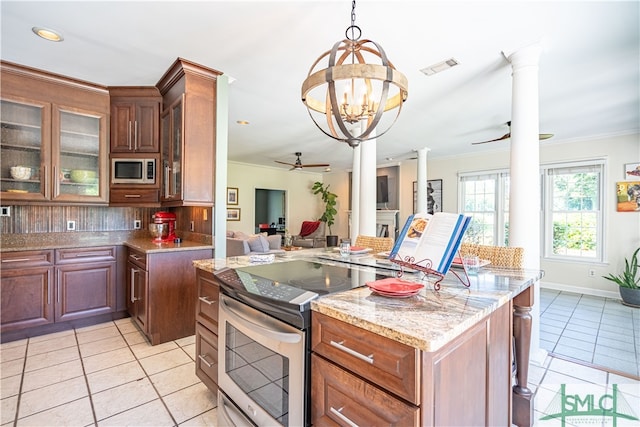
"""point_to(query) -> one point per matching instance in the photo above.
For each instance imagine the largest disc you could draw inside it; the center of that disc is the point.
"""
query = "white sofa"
(239, 243)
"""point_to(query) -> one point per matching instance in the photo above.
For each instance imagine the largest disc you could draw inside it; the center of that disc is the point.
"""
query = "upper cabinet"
(54, 138)
(188, 134)
(135, 115)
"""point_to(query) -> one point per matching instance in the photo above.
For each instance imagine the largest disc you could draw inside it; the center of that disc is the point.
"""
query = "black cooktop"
(288, 287)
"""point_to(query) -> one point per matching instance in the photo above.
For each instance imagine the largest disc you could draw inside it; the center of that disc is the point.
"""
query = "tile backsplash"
(51, 219)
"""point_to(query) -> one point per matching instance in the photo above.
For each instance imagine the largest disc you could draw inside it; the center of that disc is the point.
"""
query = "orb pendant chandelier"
(347, 99)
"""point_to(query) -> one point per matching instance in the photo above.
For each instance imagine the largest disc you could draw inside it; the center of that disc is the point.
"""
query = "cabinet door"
(137, 291)
(122, 118)
(25, 143)
(79, 155)
(146, 127)
(172, 149)
(85, 290)
(26, 297)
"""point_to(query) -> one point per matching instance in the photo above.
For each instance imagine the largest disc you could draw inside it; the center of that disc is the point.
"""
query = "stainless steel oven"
(264, 351)
(261, 367)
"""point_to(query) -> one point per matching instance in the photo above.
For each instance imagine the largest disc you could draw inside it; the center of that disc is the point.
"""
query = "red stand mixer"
(163, 227)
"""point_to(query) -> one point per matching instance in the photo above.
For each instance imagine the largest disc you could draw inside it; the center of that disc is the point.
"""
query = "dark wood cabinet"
(359, 377)
(188, 134)
(56, 128)
(162, 292)
(27, 289)
(51, 286)
(135, 119)
(207, 306)
(137, 289)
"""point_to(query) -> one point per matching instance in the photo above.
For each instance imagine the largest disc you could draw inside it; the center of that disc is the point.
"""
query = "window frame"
(501, 213)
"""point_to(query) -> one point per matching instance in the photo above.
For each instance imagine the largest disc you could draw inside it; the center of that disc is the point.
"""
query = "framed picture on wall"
(434, 196)
(233, 214)
(232, 196)
(632, 171)
(628, 194)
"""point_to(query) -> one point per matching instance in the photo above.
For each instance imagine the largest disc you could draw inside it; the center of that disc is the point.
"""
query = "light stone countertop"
(426, 321)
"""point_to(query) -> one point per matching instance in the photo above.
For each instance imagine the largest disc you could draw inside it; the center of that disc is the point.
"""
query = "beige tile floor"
(104, 375)
(108, 375)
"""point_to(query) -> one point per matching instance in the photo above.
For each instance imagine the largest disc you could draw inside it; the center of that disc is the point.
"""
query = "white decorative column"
(367, 214)
(355, 196)
(421, 205)
(524, 218)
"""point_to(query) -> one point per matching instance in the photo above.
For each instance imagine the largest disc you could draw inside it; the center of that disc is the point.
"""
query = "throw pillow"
(274, 241)
(240, 235)
(229, 233)
(258, 243)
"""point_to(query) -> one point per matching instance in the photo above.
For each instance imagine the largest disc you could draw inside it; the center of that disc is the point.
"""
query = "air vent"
(440, 66)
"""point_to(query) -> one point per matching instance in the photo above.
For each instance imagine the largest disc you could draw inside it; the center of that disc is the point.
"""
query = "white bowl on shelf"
(20, 172)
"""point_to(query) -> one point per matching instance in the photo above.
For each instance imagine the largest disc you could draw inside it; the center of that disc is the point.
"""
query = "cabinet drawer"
(207, 303)
(340, 398)
(133, 196)
(91, 254)
(25, 259)
(138, 258)
(207, 356)
(392, 365)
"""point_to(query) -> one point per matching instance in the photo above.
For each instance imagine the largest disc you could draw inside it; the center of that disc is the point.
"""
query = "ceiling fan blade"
(544, 136)
(318, 165)
(284, 163)
(505, 136)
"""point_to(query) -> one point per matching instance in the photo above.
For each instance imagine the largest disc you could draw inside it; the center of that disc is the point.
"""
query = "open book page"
(434, 237)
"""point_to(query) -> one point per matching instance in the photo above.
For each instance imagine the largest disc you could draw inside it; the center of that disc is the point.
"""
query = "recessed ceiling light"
(242, 122)
(48, 34)
(440, 66)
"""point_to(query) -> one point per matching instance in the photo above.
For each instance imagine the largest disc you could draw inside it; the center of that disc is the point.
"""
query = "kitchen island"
(438, 358)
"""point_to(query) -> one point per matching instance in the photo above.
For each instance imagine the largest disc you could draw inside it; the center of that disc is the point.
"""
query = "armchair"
(311, 235)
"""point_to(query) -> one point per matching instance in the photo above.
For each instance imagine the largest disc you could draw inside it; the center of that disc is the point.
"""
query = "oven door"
(261, 365)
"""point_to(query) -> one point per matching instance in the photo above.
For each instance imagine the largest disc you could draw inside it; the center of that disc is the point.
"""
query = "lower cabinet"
(161, 289)
(42, 287)
(26, 289)
(359, 377)
(207, 328)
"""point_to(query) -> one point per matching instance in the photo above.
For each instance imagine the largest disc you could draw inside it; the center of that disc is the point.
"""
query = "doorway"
(270, 208)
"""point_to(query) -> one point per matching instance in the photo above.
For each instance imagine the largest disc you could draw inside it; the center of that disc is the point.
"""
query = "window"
(485, 198)
(572, 220)
(573, 214)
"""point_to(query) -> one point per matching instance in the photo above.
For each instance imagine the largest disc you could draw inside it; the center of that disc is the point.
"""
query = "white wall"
(301, 203)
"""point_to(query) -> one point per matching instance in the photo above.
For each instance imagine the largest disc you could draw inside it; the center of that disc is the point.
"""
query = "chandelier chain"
(353, 27)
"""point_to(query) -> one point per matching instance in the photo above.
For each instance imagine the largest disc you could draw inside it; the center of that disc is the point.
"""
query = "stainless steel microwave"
(133, 171)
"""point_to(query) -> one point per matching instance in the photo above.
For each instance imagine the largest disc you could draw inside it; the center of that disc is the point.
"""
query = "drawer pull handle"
(206, 300)
(137, 258)
(340, 345)
(132, 196)
(204, 360)
(338, 413)
(89, 254)
(17, 260)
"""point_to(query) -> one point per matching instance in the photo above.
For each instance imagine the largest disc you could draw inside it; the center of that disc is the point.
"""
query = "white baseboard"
(579, 290)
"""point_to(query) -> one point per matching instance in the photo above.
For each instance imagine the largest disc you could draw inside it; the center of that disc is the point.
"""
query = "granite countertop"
(140, 240)
(426, 321)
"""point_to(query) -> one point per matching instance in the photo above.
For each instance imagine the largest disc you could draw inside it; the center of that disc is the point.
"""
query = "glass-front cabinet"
(172, 148)
(52, 153)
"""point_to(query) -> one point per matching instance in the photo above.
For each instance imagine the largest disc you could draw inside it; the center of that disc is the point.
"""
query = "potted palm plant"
(628, 281)
(328, 216)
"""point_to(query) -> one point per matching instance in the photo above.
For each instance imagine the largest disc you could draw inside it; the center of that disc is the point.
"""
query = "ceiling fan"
(507, 135)
(299, 166)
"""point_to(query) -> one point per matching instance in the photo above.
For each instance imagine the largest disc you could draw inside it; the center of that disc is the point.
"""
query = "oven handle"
(253, 324)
